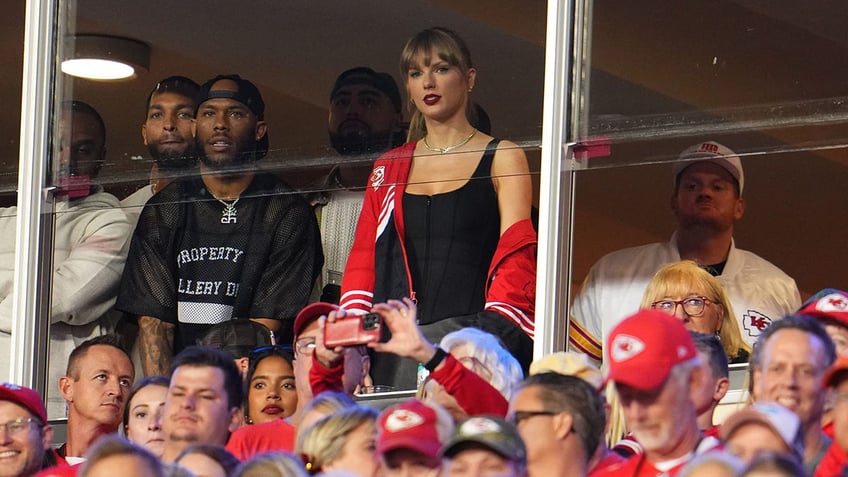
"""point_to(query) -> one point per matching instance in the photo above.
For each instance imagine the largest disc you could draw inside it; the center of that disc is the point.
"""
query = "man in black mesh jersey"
(233, 243)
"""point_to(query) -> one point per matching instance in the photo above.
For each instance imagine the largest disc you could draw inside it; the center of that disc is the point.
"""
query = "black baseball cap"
(364, 75)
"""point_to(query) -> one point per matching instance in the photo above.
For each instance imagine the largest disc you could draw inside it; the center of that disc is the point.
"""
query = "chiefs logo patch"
(624, 347)
(401, 419)
(755, 323)
(378, 175)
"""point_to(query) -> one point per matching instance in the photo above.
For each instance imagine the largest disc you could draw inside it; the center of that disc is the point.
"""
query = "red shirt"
(640, 466)
(247, 441)
(611, 459)
(832, 463)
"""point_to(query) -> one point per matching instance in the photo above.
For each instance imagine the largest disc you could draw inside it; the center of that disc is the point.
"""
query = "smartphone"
(353, 330)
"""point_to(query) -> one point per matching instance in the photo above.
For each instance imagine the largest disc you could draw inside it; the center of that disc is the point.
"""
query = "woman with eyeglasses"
(689, 292)
(271, 392)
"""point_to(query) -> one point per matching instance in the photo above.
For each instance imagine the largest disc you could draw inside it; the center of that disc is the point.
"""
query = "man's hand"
(407, 341)
(326, 356)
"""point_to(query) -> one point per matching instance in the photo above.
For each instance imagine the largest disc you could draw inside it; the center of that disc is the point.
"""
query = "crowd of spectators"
(226, 363)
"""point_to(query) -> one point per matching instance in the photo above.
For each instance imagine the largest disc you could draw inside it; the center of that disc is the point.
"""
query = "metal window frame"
(34, 226)
(33, 253)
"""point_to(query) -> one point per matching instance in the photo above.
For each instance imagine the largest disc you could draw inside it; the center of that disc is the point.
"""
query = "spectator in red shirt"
(835, 460)
(655, 367)
(25, 435)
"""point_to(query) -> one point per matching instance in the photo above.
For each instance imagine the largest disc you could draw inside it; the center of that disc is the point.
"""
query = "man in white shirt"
(707, 202)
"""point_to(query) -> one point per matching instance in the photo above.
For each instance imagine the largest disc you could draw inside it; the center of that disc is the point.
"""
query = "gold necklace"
(445, 150)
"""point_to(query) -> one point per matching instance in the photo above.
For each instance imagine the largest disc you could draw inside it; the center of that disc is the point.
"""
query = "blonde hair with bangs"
(679, 279)
(443, 44)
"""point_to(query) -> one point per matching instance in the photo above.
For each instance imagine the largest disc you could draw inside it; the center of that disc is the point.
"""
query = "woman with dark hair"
(143, 413)
(270, 388)
(446, 217)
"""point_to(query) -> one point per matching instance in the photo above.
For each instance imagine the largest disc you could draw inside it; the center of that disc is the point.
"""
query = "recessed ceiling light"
(102, 57)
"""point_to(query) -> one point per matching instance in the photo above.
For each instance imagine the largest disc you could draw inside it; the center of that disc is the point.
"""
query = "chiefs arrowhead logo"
(401, 419)
(833, 302)
(755, 322)
(378, 175)
(625, 347)
(478, 425)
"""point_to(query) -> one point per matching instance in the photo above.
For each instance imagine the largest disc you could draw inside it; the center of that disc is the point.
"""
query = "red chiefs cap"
(644, 348)
(311, 313)
(827, 304)
(409, 425)
(837, 373)
(24, 397)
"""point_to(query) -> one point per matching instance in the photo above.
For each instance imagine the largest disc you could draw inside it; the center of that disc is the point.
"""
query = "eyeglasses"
(19, 425)
(305, 346)
(692, 306)
(264, 351)
(519, 416)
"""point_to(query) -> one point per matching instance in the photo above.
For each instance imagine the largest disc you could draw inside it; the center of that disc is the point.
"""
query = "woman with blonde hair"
(689, 292)
(344, 440)
(271, 464)
(446, 217)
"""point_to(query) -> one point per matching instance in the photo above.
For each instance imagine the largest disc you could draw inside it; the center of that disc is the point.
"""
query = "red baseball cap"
(828, 304)
(311, 313)
(837, 372)
(24, 397)
(644, 347)
(409, 425)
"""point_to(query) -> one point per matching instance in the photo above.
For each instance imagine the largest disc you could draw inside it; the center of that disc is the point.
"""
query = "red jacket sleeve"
(325, 379)
(511, 290)
(474, 394)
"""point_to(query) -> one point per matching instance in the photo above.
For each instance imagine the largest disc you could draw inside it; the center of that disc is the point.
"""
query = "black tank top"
(450, 239)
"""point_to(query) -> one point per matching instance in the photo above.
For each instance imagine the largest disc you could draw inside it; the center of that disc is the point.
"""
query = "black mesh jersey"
(189, 267)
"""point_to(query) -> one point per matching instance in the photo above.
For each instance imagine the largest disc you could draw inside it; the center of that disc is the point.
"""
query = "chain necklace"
(445, 150)
(228, 215)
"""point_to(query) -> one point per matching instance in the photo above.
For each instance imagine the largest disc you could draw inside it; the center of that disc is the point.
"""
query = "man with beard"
(204, 400)
(233, 243)
(655, 368)
(707, 202)
(167, 134)
(364, 121)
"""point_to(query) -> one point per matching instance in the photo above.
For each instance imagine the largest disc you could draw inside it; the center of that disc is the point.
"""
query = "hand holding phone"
(353, 330)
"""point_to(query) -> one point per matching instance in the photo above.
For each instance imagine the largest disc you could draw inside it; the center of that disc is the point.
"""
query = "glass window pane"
(293, 54)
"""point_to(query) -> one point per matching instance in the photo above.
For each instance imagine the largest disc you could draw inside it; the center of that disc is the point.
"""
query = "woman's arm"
(511, 178)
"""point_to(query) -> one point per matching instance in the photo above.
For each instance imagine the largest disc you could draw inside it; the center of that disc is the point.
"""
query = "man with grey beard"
(233, 243)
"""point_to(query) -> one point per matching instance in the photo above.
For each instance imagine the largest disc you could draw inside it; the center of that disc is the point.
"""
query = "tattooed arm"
(156, 345)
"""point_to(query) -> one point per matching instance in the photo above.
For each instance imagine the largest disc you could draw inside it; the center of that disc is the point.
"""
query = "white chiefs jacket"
(759, 292)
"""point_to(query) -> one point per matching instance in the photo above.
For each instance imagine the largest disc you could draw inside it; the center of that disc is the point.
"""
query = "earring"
(469, 89)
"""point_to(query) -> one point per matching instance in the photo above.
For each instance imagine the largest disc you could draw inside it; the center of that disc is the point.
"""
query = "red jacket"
(511, 290)
(833, 463)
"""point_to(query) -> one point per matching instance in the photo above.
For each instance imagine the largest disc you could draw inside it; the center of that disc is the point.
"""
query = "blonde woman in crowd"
(345, 440)
(690, 293)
